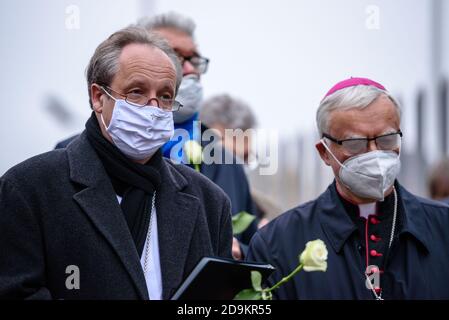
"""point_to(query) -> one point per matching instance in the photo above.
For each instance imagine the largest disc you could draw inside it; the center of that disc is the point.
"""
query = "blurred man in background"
(235, 124)
(223, 112)
(383, 242)
(179, 31)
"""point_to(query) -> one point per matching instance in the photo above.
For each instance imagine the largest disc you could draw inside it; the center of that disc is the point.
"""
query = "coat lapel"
(415, 224)
(338, 227)
(176, 217)
(99, 203)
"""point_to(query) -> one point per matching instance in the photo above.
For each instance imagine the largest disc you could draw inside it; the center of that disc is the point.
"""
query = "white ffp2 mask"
(369, 175)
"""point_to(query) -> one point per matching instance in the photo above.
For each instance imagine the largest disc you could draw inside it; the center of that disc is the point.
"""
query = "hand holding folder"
(219, 279)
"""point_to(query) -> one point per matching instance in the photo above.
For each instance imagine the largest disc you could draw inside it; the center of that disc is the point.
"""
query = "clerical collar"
(367, 209)
(382, 209)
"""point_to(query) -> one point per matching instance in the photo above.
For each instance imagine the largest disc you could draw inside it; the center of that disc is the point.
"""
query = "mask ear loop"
(102, 120)
(101, 114)
(329, 150)
(338, 161)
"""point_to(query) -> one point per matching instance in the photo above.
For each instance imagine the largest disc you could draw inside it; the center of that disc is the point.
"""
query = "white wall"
(282, 56)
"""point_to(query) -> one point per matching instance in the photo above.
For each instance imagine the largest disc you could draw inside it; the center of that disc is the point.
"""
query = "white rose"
(193, 152)
(314, 256)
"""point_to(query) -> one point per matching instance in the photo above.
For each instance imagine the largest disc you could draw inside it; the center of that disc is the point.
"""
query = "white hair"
(360, 96)
(227, 111)
(169, 20)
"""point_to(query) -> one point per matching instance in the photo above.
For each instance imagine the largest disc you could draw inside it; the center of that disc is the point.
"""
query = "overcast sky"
(280, 56)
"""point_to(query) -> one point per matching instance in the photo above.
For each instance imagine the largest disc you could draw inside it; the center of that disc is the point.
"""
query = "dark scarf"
(134, 182)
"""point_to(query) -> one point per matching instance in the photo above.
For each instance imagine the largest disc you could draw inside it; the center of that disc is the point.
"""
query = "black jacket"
(416, 267)
(231, 178)
(59, 209)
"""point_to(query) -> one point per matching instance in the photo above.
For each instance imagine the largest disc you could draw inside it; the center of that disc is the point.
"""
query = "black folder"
(219, 279)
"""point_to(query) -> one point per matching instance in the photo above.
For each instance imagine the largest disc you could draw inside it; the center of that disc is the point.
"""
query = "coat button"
(374, 253)
(374, 238)
(374, 220)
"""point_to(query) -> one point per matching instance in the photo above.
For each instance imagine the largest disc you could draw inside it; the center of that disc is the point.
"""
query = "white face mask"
(190, 95)
(139, 131)
(369, 175)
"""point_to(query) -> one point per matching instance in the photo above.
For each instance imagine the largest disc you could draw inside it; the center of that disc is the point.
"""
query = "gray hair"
(360, 96)
(227, 111)
(104, 64)
(170, 20)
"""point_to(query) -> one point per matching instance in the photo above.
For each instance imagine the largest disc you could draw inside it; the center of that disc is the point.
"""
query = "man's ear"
(97, 96)
(323, 152)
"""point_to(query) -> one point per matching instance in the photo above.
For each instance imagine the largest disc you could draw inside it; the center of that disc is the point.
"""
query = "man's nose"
(188, 68)
(154, 102)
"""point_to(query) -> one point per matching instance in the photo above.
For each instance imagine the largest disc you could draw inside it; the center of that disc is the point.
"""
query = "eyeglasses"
(139, 100)
(198, 62)
(388, 141)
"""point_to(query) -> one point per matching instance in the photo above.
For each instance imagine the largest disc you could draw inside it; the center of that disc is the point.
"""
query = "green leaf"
(256, 280)
(248, 294)
(241, 221)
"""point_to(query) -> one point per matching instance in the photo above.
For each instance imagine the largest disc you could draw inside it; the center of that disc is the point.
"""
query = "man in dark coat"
(179, 30)
(383, 242)
(108, 217)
